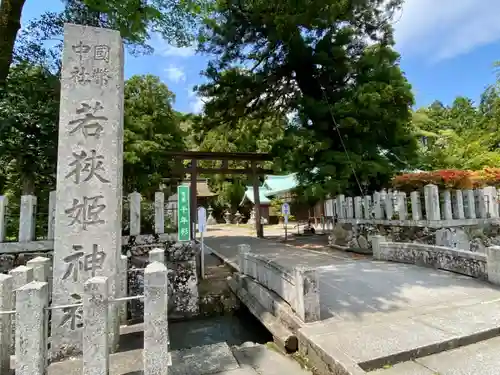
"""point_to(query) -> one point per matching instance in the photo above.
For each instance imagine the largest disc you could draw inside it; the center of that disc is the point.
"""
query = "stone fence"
(25, 311)
(478, 265)
(27, 241)
(434, 209)
(299, 288)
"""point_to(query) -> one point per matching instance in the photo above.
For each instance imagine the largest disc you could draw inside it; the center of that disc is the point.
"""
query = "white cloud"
(445, 29)
(178, 51)
(196, 102)
(175, 73)
(163, 49)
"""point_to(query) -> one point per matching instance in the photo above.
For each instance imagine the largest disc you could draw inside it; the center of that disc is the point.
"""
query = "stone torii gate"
(194, 169)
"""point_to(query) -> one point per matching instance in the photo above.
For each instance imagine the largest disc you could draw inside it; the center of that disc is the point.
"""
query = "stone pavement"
(374, 313)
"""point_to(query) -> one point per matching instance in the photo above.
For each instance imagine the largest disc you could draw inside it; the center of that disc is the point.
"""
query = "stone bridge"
(356, 315)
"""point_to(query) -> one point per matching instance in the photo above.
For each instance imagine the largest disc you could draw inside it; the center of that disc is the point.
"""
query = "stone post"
(389, 205)
(6, 304)
(376, 241)
(358, 211)
(459, 205)
(159, 212)
(4, 202)
(431, 196)
(88, 221)
(340, 201)
(157, 255)
(21, 276)
(27, 218)
(123, 289)
(447, 212)
(134, 200)
(490, 200)
(242, 250)
(41, 270)
(51, 215)
(377, 205)
(96, 326)
(307, 287)
(493, 264)
(367, 207)
(470, 211)
(416, 208)
(401, 206)
(349, 208)
(155, 355)
(31, 329)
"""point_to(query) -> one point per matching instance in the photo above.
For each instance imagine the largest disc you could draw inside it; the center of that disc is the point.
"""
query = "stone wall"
(474, 237)
(460, 261)
(181, 261)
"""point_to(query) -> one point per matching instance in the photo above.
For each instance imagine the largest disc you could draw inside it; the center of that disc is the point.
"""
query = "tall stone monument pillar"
(87, 239)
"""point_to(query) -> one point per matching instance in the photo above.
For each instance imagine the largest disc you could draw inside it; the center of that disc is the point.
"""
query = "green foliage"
(351, 99)
(460, 136)
(151, 129)
(29, 115)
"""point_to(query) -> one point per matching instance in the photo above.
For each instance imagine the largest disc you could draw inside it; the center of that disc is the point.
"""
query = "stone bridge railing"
(25, 311)
(299, 287)
(478, 265)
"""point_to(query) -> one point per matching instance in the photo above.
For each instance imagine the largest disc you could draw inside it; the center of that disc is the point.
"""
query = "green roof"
(262, 195)
(280, 184)
(272, 185)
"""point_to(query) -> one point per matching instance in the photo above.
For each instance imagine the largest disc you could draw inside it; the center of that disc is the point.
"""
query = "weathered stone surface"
(156, 354)
(31, 336)
(493, 264)
(459, 261)
(6, 304)
(96, 326)
(183, 280)
(27, 218)
(89, 175)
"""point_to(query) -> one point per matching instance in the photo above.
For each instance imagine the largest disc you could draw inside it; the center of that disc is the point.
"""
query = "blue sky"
(447, 49)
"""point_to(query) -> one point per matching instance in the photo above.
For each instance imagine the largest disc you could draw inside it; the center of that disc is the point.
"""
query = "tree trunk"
(10, 23)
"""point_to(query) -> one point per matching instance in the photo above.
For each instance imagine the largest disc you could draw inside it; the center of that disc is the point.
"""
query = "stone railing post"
(401, 206)
(41, 270)
(447, 212)
(432, 207)
(157, 255)
(340, 202)
(349, 208)
(51, 215)
(367, 207)
(123, 288)
(377, 253)
(490, 201)
(459, 205)
(4, 202)
(21, 276)
(155, 355)
(31, 329)
(307, 288)
(135, 213)
(389, 205)
(242, 250)
(416, 207)
(6, 304)
(493, 264)
(96, 326)
(377, 205)
(358, 211)
(470, 212)
(159, 212)
(27, 218)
